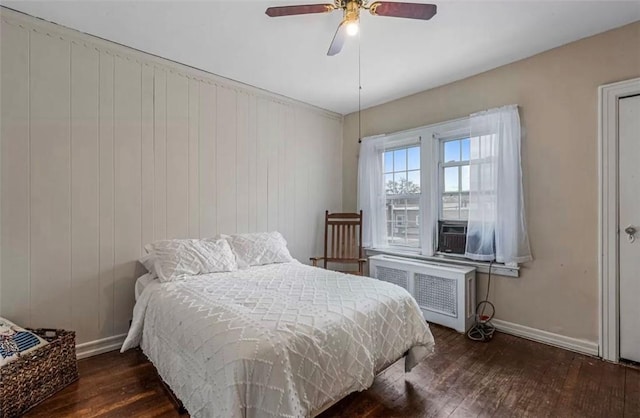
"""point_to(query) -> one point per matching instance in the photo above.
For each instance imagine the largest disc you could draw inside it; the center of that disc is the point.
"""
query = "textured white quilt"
(281, 340)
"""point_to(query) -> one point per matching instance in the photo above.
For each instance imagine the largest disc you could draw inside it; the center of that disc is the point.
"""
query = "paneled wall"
(105, 149)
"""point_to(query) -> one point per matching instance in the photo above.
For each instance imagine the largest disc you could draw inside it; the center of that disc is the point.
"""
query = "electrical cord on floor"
(483, 329)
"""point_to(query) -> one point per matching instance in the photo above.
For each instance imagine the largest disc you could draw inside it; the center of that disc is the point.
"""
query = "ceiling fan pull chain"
(359, 89)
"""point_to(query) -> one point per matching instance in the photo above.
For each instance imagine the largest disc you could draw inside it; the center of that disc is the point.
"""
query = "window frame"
(437, 132)
(405, 140)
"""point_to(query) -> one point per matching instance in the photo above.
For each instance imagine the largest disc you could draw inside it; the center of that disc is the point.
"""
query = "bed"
(278, 340)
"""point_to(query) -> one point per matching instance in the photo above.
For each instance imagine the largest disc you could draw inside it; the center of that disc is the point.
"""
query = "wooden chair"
(342, 241)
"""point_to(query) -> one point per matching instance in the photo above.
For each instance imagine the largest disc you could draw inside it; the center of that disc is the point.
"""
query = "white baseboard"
(93, 348)
(569, 343)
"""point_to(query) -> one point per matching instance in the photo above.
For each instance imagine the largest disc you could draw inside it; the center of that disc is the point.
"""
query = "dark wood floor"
(508, 377)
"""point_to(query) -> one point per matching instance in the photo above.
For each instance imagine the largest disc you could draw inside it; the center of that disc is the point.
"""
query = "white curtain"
(371, 192)
(497, 228)
(429, 156)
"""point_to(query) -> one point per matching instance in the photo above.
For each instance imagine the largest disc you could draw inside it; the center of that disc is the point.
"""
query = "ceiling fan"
(351, 10)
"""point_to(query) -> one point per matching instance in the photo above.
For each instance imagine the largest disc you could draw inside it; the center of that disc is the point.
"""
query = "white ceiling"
(287, 55)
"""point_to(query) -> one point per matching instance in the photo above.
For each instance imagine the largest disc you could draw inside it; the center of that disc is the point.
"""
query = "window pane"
(388, 162)
(402, 229)
(414, 181)
(400, 159)
(451, 179)
(450, 206)
(466, 146)
(465, 178)
(388, 182)
(451, 151)
(414, 158)
(402, 177)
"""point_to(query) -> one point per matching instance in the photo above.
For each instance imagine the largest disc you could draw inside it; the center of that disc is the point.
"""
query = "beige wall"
(557, 93)
(104, 149)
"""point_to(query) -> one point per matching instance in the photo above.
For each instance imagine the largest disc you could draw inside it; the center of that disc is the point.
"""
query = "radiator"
(446, 294)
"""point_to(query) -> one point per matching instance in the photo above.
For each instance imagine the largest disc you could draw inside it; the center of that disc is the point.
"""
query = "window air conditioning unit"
(446, 294)
(452, 237)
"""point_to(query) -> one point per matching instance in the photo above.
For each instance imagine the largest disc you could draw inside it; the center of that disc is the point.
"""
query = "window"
(413, 190)
(402, 184)
(454, 179)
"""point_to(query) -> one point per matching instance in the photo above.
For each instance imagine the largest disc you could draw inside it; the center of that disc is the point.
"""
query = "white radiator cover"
(446, 294)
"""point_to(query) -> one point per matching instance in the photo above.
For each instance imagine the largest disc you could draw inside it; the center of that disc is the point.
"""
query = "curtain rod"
(419, 128)
(435, 125)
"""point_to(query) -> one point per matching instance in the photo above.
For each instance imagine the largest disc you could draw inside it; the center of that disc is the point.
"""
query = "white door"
(629, 180)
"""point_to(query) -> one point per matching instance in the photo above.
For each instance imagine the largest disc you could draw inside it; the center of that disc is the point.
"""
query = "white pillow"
(149, 261)
(259, 248)
(180, 258)
(141, 283)
(16, 341)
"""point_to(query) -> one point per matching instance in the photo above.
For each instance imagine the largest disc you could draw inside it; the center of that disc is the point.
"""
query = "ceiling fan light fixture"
(352, 17)
(353, 28)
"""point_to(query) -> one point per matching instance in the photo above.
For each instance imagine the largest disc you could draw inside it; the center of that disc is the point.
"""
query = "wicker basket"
(32, 378)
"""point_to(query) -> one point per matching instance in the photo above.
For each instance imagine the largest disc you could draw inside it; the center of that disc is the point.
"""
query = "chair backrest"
(342, 237)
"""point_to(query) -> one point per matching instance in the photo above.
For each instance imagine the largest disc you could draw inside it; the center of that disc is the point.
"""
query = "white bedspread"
(282, 340)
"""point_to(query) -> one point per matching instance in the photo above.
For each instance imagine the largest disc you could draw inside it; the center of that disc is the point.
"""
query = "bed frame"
(174, 399)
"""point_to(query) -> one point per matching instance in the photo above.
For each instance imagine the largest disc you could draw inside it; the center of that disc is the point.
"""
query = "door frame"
(608, 222)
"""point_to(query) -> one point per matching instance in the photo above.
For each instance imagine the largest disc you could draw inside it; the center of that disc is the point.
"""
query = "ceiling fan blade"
(406, 10)
(338, 39)
(299, 10)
